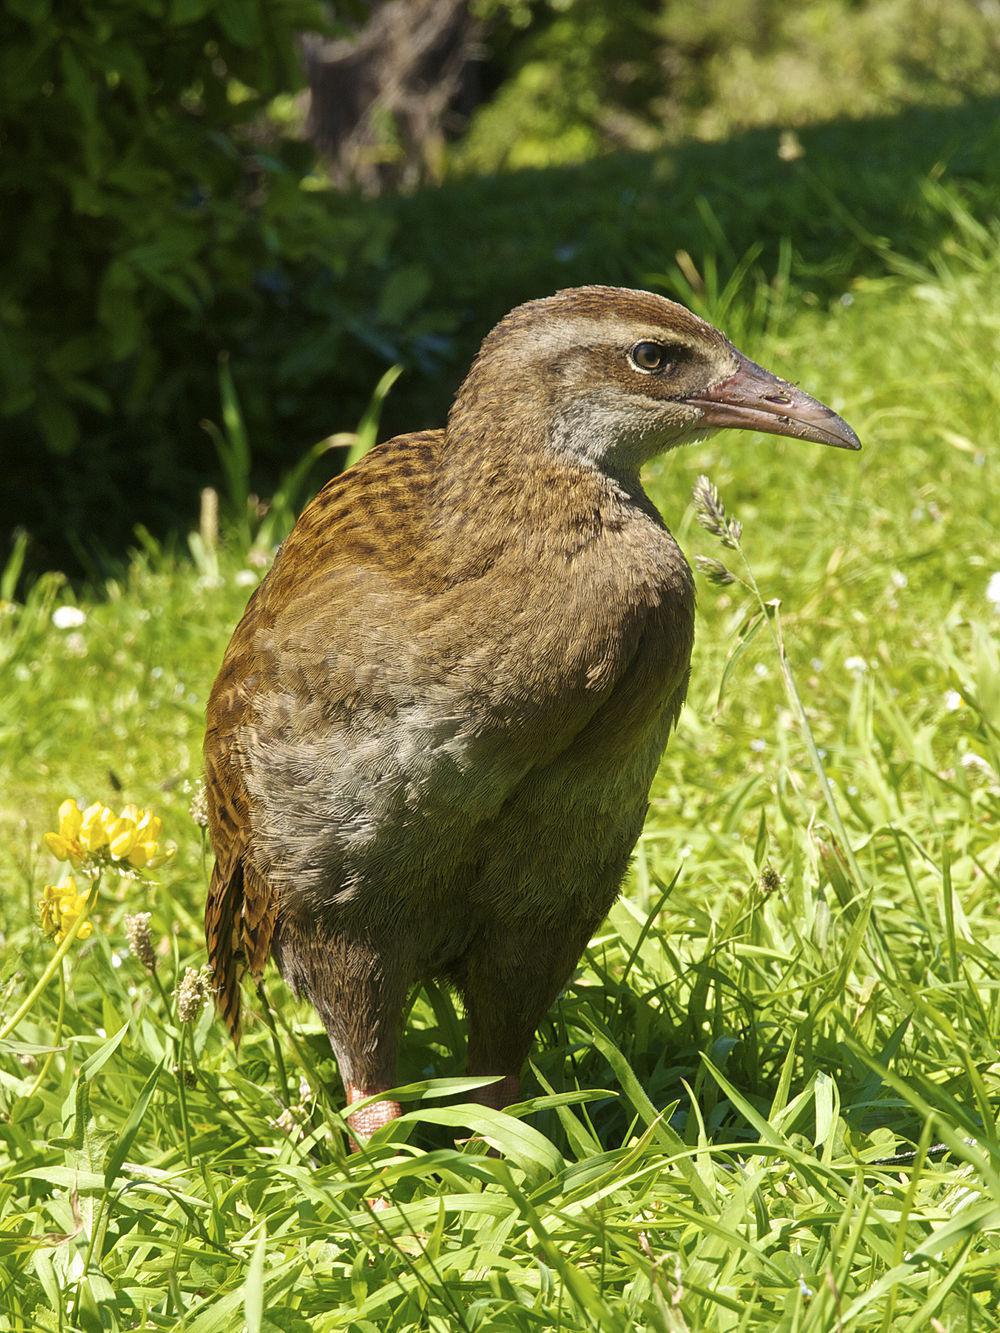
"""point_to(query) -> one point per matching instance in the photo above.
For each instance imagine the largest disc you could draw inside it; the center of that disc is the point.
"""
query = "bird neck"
(508, 493)
(582, 432)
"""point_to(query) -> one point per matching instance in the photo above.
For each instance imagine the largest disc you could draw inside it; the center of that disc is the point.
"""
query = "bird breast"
(429, 725)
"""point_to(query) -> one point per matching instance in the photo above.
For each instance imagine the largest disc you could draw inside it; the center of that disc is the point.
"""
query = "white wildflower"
(198, 809)
(993, 591)
(286, 1122)
(68, 617)
(952, 701)
(140, 941)
(191, 994)
(856, 665)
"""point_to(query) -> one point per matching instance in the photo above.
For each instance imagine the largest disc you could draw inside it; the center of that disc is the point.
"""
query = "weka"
(431, 741)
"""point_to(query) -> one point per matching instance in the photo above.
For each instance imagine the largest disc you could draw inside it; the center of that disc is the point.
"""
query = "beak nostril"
(776, 398)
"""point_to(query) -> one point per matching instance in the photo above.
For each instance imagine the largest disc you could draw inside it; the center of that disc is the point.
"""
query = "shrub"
(156, 217)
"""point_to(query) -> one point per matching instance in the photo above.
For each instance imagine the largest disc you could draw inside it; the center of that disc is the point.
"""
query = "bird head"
(611, 377)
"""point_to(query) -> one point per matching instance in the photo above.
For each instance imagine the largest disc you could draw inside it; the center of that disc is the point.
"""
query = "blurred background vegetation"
(245, 210)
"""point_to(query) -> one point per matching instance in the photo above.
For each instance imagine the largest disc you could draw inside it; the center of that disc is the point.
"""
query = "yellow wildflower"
(97, 834)
(81, 832)
(48, 909)
(59, 908)
(65, 844)
(94, 824)
(122, 833)
(135, 837)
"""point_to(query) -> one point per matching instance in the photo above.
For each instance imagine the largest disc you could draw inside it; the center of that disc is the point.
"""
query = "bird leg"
(509, 982)
(498, 1095)
(372, 1117)
(359, 992)
(500, 1037)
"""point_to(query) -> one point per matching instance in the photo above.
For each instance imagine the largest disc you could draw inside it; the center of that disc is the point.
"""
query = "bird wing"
(242, 904)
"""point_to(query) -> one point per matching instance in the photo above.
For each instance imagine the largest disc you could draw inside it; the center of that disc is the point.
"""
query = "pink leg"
(370, 1118)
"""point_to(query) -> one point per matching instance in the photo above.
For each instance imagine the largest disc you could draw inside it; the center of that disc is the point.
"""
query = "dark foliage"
(152, 224)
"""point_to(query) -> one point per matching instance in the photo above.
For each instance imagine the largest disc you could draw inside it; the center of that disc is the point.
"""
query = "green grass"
(752, 1037)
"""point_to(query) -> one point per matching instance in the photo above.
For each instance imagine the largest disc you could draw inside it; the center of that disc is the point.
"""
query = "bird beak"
(754, 399)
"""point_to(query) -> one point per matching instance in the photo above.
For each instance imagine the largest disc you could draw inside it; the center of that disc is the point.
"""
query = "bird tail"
(223, 938)
(240, 917)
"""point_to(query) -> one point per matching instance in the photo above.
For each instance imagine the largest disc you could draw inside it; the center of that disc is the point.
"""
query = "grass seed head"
(711, 513)
(714, 570)
(191, 994)
(139, 940)
(769, 880)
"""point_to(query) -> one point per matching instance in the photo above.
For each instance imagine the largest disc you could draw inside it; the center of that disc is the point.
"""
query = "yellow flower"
(59, 908)
(135, 837)
(48, 909)
(97, 834)
(94, 825)
(121, 835)
(65, 844)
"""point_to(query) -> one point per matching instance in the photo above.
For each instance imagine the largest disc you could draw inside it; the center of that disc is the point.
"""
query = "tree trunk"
(381, 98)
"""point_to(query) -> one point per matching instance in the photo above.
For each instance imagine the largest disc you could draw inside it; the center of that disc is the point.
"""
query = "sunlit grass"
(767, 1100)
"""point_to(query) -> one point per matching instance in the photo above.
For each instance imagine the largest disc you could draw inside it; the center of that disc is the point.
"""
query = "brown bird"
(431, 741)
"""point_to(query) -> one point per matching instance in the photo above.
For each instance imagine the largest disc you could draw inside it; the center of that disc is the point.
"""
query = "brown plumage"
(431, 741)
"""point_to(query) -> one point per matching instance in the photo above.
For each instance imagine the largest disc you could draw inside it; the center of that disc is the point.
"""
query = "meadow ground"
(767, 1099)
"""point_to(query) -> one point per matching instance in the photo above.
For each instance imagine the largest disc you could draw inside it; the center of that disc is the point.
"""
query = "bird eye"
(648, 356)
